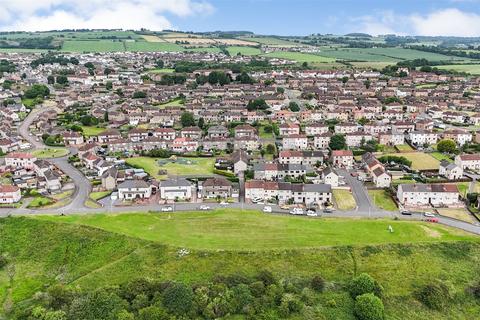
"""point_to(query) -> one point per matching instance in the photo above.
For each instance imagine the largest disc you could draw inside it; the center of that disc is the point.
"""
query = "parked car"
(204, 207)
(224, 203)
(167, 209)
(311, 213)
(429, 214)
(434, 220)
(406, 213)
(328, 210)
(267, 209)
(296, 211)
(285, 207)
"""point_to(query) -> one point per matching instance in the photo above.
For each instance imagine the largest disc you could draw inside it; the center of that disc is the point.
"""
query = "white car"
(224, 203)
(167, 209)
(311, 213)
(204, 207)
(296, 211)
(267, 209)
(429, 214)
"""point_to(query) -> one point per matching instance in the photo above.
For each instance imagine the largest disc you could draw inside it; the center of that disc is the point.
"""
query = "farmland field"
(470, 68)
(150, 38)
(246, 51)
(92, 46)
(143, 46)
(272, 41)
(204, 49)
(233, 229)
(299, 57)
(420, 160)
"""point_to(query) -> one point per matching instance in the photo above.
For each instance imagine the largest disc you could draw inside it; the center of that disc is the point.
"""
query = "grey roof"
(322, 188)
(176, 183)
(133, 184)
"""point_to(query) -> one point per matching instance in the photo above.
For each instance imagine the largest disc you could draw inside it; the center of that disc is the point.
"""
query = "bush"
(178, 298)
(3, 261)
(362, 284)
(434, 295)
(290, 304)
(317, 283)
(369, 307)
(475, 289)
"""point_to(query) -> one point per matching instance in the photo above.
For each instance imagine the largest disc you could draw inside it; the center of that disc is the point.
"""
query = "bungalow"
(428, 194)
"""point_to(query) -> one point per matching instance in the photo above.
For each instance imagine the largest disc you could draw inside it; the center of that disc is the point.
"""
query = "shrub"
(362, 284)
(290, 304)
(178, 298)
(318, 283)
(476, 290)
(3, 261)
(369, 307)
(434, 295)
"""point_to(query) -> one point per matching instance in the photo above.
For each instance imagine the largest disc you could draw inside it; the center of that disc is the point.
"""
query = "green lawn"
(231, 229)
(420, 160)
(92, 131)
(299, 57)
(403, 147)
(173, 103)
(50, 153)
(40, 201)
(163, 70)
(99, 195)
(440, 156)
(382, 200)
(199, 166)
(344, 199)
(246, 51)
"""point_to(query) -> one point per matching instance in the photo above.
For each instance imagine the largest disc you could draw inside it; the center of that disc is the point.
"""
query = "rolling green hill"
(42, 253)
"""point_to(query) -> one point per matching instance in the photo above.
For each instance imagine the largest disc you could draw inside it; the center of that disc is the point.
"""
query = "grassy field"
(92, 131)
(246, 51)
(99, 195)
(143, 46)
(344, 199)
(272, 41)
(299, 57)
(44, 253)
(50, 153)
(200, 167)
(470, 68)
(92, 46)
(232, 229)
(163, 70)
(403, 147)
(457, 213)
(204, 49)
(420, 160)
(382, 200)
(440, 156)
(40, 201)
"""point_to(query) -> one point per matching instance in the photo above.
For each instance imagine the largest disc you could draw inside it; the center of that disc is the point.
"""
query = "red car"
(431, 220)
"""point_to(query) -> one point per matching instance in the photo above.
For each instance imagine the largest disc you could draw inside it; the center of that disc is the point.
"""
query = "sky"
(279, 17)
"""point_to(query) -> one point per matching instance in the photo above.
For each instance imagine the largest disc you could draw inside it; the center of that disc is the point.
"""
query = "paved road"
(82, 185)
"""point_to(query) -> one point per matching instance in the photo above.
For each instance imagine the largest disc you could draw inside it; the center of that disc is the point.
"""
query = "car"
(204, 207)
(267, 209)
(257, 200)
(434, 220)
(328, 210)
(429, 214)
(224, 203)
(285, 207)
(296, 211)
(311, 213)
(167, 209)
(406, 213)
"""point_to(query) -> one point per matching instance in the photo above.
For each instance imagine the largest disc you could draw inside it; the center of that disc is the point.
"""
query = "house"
(460, 136)
(288, 129)
(111, 177)
(420, 138)
(428, 194)
(217, 132)
(194, 133)
(52, 180)
(20, 160)
(295, 142)
(216, 188)
(134, 189)
(449, 170)
(72, 138)
(342, 158)
(322, 141)
(329, 176)
(9, 194)
(176, 189)
(240, 161)
(245, 130)
(8, 145)
(109, 136)
(468, 161)
(380, 178)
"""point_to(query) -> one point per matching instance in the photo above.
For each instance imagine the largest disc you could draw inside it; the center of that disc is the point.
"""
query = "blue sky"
(286, 17)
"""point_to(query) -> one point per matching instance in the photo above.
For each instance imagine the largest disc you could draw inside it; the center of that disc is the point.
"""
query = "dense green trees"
(139, 95)
(257, 104)
(36, 91)
(337, 142)
(293, 106)
(447, 146)
(187, 119)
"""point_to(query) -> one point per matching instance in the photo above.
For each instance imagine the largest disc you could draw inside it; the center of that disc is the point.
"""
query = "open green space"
(40, 201)
(299, 57)
(45, 253)
(420, 160)
(382, 200)
(198, 166)
(99, 195)
(441, 156)
(403, 147)
(246, 51)
(469, 68)
(271, 41)
(163, 70)
(92, 131)
(92, 46)
(50, 152)
(143, 46)
(233, 229)
(344, 199)
(204, 49)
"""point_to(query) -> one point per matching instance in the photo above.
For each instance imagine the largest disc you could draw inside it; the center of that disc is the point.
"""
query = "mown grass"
(43, 253)
(344, 199)
(382, 200)
(246, 51)
(299, 57)
(232, 229)
(50, 153)
(199, 166)
(92, 131)
(420, 160)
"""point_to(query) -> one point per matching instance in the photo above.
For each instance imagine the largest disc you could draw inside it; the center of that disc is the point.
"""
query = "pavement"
(364, 209)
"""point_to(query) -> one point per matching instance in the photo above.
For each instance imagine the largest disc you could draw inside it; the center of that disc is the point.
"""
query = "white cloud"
(32, 15)
(444, 22)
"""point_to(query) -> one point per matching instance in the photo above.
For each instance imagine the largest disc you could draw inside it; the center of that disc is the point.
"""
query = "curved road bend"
(82, 185)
